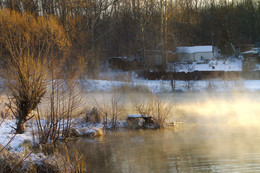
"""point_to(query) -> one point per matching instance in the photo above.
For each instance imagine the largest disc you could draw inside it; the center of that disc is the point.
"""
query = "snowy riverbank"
(79, 128)
(164, 86)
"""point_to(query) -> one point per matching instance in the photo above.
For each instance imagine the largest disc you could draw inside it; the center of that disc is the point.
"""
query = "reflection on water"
(190, 149)
(215, 144)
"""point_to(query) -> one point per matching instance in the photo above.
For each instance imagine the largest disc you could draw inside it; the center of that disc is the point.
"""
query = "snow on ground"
(252, 85)
(6, 135)
(111, 79)
(163, 86)
(230, 64)
(101, 85)
(79, 127)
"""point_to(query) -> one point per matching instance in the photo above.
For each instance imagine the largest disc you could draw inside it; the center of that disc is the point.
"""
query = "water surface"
(220, 134)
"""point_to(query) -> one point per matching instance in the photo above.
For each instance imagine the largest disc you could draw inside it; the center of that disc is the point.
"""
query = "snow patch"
(16, 139)
(194, 49)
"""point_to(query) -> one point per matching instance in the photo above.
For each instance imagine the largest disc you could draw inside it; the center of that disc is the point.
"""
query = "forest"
(94, 30)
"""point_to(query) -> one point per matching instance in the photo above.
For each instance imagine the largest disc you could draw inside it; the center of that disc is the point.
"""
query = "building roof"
(254, 51)
(194, 49)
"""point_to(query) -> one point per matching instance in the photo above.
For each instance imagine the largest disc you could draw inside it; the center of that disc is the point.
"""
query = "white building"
(195, 53)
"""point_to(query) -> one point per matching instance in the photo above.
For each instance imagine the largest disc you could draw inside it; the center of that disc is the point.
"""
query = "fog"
(220, 133)
(200, 108)
(228, 108)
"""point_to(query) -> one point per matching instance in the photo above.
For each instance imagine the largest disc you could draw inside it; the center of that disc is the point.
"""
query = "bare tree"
(26, 83)
(111, 109)
(29, 42)
(64, 102)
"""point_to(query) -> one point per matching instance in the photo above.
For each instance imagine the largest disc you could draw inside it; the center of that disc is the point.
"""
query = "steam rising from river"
(220, 134)
(228, 109)
(206, 108)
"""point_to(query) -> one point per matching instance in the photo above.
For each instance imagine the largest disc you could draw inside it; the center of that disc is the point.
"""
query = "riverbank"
(21, 152)
(127, 82)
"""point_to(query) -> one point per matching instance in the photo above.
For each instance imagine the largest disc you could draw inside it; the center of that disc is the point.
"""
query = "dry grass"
(69, 161)
(72, 162)
(14, 162)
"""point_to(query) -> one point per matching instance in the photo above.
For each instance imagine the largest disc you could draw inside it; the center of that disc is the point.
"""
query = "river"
(220, 133)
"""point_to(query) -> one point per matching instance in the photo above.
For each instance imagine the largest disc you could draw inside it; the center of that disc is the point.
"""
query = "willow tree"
(31, 43)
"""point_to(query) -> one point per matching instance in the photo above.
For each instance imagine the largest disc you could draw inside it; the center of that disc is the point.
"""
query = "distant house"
(195, 53)
(251, 59)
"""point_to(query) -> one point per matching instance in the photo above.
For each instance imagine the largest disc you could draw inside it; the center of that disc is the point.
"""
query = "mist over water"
(242, 109)
(220, 133)
(199, 108)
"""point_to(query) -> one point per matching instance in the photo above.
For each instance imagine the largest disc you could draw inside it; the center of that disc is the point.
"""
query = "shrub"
(153, 107)
(111, 109)
(93, 116)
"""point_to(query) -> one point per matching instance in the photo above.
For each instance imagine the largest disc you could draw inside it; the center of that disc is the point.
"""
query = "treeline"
(97, 29)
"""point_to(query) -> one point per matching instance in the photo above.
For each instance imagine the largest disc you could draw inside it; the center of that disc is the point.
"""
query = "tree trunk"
(172, 82)
(20, 127)
(21, 120)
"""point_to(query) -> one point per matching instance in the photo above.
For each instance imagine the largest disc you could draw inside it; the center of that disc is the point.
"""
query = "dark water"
(218, 135)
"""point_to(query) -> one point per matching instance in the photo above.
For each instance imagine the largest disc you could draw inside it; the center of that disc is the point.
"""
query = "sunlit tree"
(33, 44)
